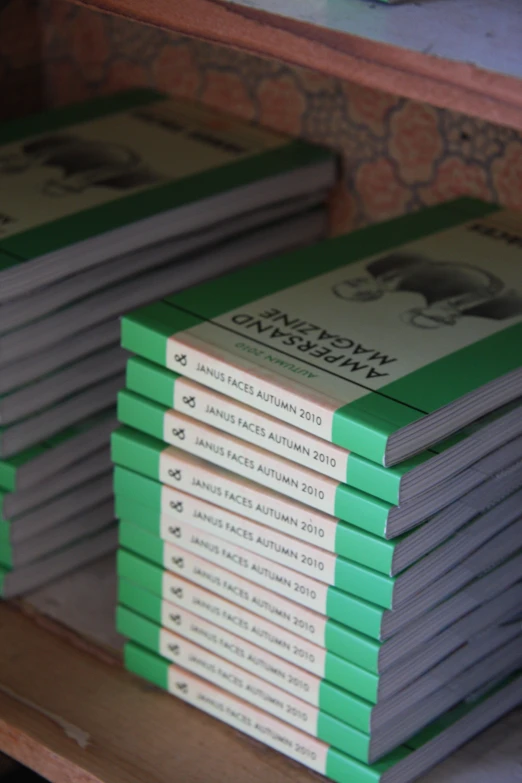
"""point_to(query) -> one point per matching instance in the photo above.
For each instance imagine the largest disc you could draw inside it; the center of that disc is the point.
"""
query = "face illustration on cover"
(81, 163)
(451, 291)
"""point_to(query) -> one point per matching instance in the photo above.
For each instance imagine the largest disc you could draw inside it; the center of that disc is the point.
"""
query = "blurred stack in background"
(106, 206)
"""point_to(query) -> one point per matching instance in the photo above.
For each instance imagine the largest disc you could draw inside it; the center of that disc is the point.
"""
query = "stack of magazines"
(319, 482)
(106, 206)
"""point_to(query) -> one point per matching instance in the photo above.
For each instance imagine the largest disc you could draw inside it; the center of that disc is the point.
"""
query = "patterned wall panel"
(398, 155)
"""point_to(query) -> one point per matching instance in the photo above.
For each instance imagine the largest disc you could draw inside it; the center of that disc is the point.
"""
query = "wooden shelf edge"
(76, 717)
(460, 87)
(69, 711)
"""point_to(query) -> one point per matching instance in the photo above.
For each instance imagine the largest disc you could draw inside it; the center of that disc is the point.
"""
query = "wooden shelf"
(69, 711)
(464, 55)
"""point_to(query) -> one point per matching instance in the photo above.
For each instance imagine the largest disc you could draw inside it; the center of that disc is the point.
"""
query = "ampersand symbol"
(175, 474)
(190, 401)
(176, 619)
(181, 358)
(182, 686)
(177, 506)
(179, 433)
(177, 591)
(175, 531)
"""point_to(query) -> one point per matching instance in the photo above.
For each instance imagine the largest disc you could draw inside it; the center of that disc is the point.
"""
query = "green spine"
(151, 380)
(365, 582)
(339, 702)
(354, 647)
(347, 676)
(146, 333)
(367, 475)
(358, 507)
(135, 569)
(157, 383)
(356, 613)
(343, 769)
(132, 625)
(135, 410)
(7, 476)
(351, 542)
(126, 508)
(6, 556)
(128, 483)
(340, 767)
(141, 601)
(133, 538)
(341, 735)
(136, 451)
(5, 532)
(372, 551)
(146, 665)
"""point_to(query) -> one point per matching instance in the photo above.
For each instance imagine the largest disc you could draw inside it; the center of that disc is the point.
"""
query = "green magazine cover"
(381, 342)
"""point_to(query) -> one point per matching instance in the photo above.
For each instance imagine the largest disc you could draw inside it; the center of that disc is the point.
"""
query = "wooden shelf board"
(463, 55)
(69, 711)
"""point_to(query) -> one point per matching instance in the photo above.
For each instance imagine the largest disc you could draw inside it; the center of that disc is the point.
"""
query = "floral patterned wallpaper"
(398, 155)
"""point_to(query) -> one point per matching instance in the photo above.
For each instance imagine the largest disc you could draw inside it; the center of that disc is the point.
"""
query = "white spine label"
(259, 570)
(231, 617)
(250, 461)
(177, 506)
(260, 429)
(243, 497)
(249, 719)
(252, 385)
(238, 681)
(303, 622)
(270, 667)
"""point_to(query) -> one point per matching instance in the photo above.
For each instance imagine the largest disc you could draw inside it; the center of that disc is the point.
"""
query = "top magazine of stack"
(95, 181)
(384, 341)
